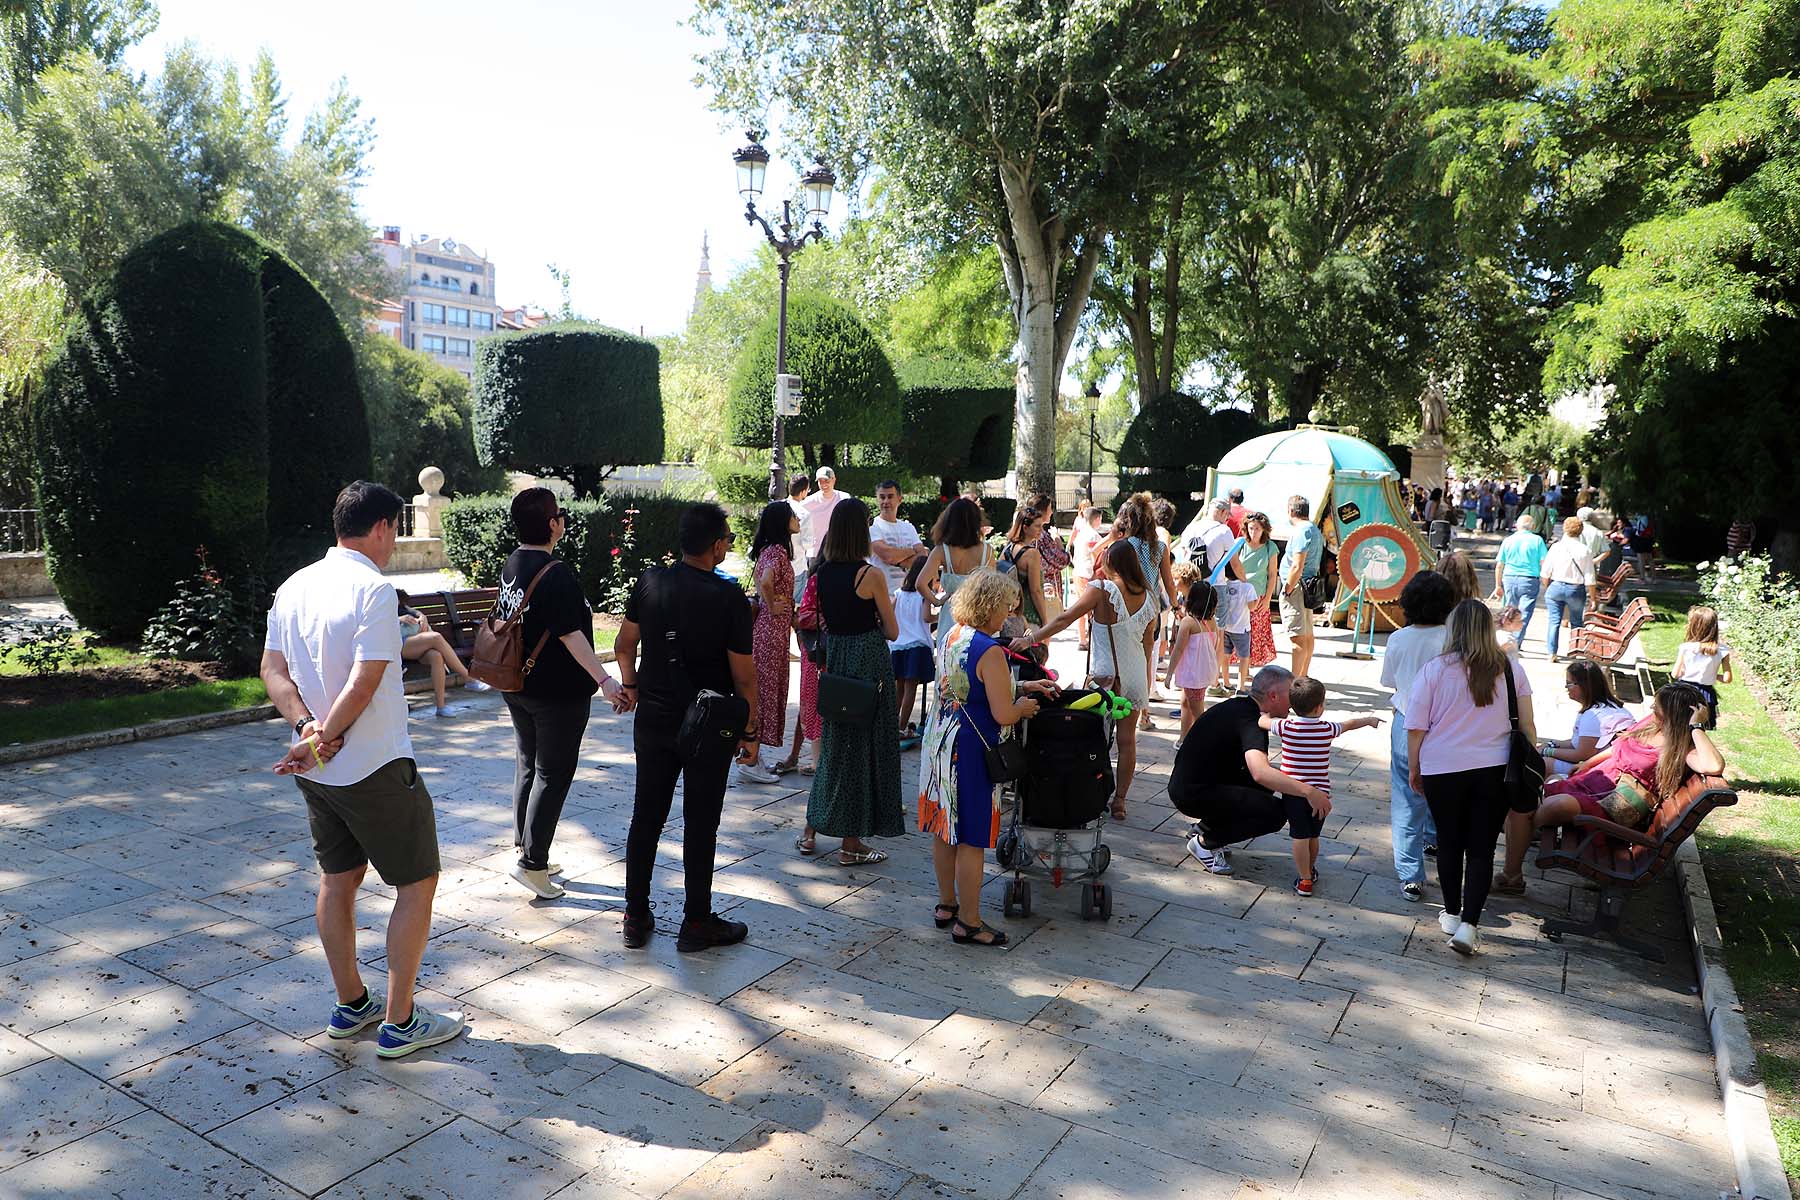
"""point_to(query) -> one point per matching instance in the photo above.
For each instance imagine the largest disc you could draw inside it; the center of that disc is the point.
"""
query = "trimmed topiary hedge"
(924, 513)
(1176, 438)
(203, 396)
(957, 420)
(568, 400)
(478, 539)
(851, 396)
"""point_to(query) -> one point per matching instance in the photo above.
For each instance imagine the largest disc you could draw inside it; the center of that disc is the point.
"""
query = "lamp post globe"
(752, 167)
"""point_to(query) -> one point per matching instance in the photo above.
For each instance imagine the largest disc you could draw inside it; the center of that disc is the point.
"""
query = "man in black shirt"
(695, 630)
(1222, 777)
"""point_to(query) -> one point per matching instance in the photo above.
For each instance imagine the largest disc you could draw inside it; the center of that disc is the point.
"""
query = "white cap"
(825, 473)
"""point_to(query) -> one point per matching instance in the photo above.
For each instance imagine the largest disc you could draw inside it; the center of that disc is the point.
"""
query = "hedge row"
(479, 537)
(957, 421)
(1177, 437)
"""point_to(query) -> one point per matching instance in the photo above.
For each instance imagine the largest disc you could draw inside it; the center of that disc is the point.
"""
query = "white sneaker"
(1466, 940)
(475, 685)
(756, 773)
(538, 882)
(1212, 860)
(1449, 922)
(450, 710)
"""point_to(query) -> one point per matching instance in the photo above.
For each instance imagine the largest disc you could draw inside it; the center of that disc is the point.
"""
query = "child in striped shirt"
(1306, 740)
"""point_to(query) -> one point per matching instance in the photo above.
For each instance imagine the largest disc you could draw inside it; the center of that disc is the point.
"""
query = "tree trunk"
(1032, 244)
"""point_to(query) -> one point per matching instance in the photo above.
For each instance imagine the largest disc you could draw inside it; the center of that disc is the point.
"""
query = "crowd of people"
(906, 641)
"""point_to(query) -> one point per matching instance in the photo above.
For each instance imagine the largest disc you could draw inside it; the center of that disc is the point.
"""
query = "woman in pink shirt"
(1457, 728)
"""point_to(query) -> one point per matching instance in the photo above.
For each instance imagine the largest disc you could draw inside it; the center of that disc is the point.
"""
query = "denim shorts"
(1238, 643)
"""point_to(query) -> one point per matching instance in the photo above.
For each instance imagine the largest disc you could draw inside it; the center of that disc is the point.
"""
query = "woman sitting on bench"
(1603, 718)
(419, 640)
(1624, 784)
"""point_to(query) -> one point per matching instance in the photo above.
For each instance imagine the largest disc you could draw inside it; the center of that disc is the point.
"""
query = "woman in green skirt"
(856, 789)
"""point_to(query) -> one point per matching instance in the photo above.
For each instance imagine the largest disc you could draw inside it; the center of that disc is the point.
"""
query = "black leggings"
(548, 737)
(1470, 809)
(703, 780)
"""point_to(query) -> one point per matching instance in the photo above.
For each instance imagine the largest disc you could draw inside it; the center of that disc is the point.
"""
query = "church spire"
(703, 280)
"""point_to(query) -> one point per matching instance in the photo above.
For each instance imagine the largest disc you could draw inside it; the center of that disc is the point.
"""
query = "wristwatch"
(301, 724)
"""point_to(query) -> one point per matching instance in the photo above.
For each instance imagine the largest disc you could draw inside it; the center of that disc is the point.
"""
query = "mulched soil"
(26, 691)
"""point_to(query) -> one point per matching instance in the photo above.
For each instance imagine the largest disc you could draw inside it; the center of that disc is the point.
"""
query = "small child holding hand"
(1306, 739)
(1194, 659)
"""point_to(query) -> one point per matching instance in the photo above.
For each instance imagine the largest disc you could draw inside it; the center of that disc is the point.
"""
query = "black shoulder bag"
(714, 722)
(1524, 765)
(844, 698)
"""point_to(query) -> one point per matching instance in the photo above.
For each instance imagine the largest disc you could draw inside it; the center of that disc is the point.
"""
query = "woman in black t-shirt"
(550, 714)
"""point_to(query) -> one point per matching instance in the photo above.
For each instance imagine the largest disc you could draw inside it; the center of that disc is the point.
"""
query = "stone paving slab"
(162, 999)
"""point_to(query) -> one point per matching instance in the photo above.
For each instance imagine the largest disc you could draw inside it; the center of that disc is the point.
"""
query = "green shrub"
(568, 400)
(737, 484)
(1759, 614)
(851, 396)
(1176, 438)
(478, 539)
(957, 422)
(43, 646)
(209, 619)
(161, 417)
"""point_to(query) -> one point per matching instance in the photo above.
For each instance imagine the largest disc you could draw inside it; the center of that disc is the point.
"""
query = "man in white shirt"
(894, 544)
(799, 546)
(1593, 536)
(333, 647)
(1206, 542)
(818, 511)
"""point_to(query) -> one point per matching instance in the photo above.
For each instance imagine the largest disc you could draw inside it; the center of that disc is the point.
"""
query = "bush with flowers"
(210, 619)
(1759, 615)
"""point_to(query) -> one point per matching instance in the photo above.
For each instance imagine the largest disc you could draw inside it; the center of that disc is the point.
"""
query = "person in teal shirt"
(1516, 570)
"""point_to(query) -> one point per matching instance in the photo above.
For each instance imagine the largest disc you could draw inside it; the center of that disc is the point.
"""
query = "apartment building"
(447, 303)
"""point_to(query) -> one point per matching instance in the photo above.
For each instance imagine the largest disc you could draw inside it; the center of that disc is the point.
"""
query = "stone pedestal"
(1428, 462)
(429, 504)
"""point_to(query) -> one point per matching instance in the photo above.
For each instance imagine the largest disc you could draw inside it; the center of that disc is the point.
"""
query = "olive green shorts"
(384, 819)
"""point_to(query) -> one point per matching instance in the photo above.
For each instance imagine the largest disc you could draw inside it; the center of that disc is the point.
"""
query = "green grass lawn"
(118, 712)
(1751, 854)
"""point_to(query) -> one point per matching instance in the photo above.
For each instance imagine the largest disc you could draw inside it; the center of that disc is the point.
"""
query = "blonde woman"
(1457, 733)
(959, 805)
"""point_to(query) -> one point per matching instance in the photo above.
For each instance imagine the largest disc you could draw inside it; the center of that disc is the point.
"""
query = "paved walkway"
(162, 993)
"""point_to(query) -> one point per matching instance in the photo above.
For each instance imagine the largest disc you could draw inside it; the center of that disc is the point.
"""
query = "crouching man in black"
(1222, 777)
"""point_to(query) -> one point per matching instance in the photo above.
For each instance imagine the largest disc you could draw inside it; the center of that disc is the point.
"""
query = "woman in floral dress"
(774, 575)
(1258, 560)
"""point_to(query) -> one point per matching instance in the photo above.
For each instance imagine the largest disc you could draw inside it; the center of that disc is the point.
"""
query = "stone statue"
(429, 504)
(1434, 414)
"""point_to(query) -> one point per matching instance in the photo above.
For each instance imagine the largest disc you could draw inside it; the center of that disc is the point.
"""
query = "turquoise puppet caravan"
(1351, 486)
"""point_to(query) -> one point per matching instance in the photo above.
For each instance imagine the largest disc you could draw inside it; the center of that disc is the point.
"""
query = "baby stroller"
(1059, 805)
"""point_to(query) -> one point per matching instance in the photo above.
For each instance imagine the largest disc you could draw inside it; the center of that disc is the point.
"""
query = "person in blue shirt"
(1516, 570)
(1303, 559)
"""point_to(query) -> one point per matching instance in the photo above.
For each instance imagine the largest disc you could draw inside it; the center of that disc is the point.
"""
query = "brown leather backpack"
(499, 658)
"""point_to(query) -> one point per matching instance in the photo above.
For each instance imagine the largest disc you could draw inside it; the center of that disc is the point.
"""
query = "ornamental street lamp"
(752, 168)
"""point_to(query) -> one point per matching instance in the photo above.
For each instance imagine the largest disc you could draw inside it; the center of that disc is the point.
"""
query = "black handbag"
(1524, 777)
(846, 699)
(1005, 759)
(1312, 592)
(714, 722)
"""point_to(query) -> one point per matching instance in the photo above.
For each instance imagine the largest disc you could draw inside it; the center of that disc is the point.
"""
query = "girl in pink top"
(1654, 758)
(1457, 727)
(1194, 659)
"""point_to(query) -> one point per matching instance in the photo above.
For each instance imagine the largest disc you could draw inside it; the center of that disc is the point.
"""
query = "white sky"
(536, 131)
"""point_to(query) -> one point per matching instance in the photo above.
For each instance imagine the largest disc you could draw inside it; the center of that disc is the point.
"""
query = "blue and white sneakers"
(349, 1020)
(425, 1029)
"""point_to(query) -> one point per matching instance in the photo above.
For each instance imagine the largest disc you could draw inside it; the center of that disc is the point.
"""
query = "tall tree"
(1027, 122)
(36, 35)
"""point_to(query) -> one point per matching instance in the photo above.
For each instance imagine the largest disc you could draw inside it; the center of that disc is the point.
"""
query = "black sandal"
(944, 922)
(966, 935)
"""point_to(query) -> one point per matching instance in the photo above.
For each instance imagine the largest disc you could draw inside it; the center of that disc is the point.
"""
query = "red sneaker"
(1303, 887)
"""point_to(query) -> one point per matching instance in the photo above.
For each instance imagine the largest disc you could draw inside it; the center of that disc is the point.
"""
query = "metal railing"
(407, 516)
(20, 532)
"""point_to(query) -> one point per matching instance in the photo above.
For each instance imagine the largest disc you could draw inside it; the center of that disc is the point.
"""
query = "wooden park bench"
(1621, 860)
(456, 615)
(1604, 645)
(1607, 589)
(1639, 606)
